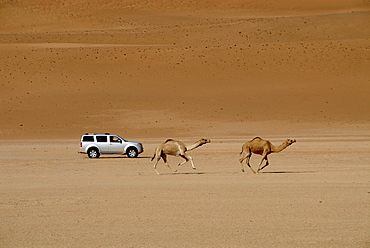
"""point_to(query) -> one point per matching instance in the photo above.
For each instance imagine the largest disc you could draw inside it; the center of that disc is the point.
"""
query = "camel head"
(198, 144)
(290, 141)
(204, 141)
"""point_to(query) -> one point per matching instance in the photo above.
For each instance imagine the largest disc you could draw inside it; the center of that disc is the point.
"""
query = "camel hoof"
(194, 168)
(242, 170)
(174, 170)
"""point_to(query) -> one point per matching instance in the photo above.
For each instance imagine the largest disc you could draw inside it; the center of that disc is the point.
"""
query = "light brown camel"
(176, 148)
(261, 147)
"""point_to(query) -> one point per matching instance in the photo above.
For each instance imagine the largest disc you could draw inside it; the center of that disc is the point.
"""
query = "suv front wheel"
(132, 152)
(93, 153)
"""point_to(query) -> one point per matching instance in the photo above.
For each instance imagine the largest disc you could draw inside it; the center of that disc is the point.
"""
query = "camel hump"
(257, 138)
(168, 140)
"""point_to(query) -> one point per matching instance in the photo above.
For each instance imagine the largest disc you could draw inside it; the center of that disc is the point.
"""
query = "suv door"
(115, 144)
(102, 142)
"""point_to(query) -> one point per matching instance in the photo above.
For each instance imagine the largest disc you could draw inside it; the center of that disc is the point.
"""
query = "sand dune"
(144, 74)
(151, 70)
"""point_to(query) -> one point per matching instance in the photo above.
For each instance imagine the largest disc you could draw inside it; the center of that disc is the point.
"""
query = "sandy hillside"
(154, 69)
(227, 70)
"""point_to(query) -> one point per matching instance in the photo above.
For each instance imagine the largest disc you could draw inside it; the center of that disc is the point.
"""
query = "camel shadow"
(287, 172)
(183, 173)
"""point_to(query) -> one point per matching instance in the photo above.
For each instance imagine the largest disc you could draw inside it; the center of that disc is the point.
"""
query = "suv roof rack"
(97, 133)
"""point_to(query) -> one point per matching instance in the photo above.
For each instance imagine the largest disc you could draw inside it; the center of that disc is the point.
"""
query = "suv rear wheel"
(93, 153)
(132, 152)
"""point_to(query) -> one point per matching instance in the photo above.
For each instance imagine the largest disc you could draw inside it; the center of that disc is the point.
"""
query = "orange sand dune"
(215, 67)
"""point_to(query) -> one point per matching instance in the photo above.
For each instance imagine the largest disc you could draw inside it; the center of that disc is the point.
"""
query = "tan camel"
(176, 148)
(261, 147)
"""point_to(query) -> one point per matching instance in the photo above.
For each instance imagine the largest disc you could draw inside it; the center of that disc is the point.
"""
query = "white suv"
(95, 144)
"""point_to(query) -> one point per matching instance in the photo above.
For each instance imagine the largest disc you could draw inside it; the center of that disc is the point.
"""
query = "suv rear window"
(88, 139)
(101, 138)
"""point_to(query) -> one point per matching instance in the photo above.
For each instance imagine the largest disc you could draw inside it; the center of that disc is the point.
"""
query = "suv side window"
(114, 139)
(101, 139)
(88, 139)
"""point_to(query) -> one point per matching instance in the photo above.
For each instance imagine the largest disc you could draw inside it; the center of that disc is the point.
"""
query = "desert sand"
(150, 70)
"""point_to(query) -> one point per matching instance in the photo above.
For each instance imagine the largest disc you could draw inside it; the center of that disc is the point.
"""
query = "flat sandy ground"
(226, 70)
(314, 194)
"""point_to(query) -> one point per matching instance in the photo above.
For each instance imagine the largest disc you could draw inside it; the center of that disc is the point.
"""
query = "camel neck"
(280, 148)
(195, 145)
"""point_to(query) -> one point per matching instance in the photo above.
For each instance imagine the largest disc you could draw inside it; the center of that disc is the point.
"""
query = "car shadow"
(121, 157)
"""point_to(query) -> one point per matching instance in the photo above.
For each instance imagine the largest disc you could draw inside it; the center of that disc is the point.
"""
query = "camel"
(263, 148)
(176, 148)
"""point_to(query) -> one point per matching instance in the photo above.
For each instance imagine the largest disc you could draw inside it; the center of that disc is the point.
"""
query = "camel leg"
(264, 157)
(247, 157)
(182, 154)
(241, 160)
(155, 165)
(187, 158)
(164, 157)
(267, 163)
(247, 162)
(241, 163)
(192, 163)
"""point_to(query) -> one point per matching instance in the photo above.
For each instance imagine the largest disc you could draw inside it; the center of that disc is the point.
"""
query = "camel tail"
(156, 153)
(241, 150)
